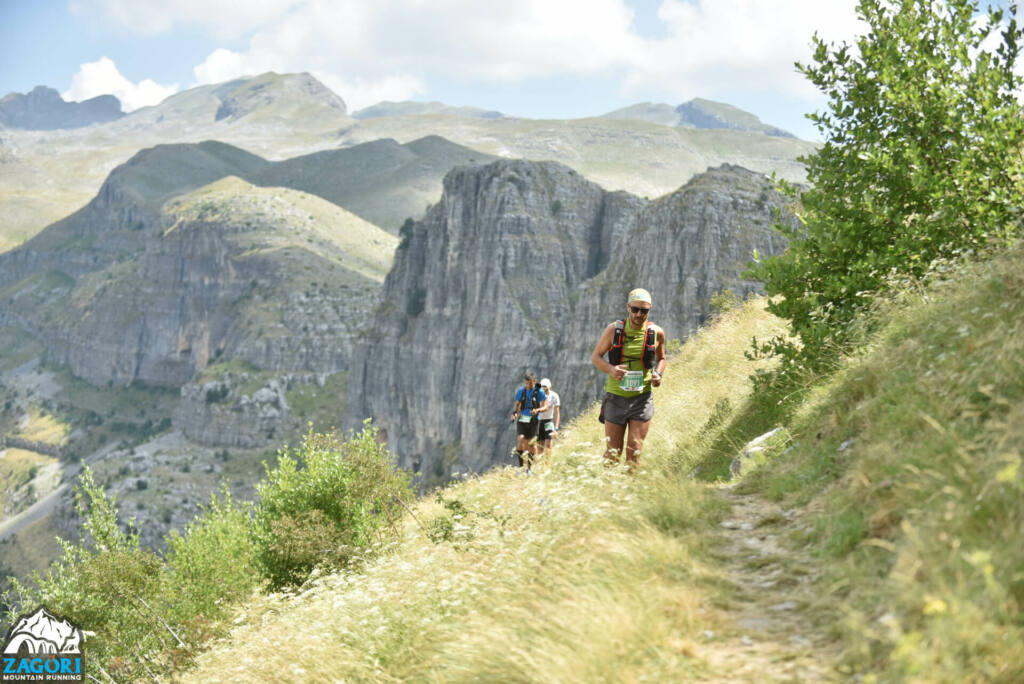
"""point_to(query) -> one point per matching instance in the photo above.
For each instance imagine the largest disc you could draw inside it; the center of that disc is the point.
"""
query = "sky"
(533, 58)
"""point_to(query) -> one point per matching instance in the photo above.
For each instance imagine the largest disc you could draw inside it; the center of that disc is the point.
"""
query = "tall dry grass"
(910, 456)
(576, 573)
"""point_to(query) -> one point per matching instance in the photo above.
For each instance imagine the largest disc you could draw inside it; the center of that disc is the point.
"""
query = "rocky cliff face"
(521, 265)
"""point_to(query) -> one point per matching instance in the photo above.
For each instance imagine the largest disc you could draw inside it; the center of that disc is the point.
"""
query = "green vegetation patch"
(44, 427)
(235, 366)
(337, 499)
(132, 413)
(912, 452)
(18, 468)
(321, 407)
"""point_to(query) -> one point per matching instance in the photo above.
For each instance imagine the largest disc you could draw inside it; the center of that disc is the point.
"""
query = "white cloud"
(222, 18)
(390, 49)
(102, 78)
(223, 65)
(359, 93)
(749, 45)
(397, 47)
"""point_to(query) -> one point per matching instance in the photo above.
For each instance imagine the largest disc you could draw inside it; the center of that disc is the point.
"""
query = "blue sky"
(534, 58)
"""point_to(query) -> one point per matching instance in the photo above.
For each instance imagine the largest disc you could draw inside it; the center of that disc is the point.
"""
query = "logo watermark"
(43, 647)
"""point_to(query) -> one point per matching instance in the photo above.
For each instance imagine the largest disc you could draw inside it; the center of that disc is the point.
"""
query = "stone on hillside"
(751, 451)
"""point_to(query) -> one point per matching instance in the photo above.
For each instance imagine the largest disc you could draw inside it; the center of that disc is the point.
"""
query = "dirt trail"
(768, 635)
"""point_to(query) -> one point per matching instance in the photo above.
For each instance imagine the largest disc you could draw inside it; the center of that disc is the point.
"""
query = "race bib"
(523, 418)
(632, 381)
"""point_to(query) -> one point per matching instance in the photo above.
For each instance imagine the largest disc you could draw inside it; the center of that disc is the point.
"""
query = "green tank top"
(632, 359)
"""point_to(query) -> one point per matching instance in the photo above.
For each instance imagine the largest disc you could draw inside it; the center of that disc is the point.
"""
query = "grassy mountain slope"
(154, 175)
(291, 219)
(382, 181)
(576, 574)
(45, 175)
(901, 507)
(637, 156)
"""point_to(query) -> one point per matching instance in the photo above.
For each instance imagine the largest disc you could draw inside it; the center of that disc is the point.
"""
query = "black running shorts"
(621, 410)
(528, 430)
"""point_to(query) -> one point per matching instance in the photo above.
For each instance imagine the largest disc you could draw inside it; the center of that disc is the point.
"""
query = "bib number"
(523, 418)
(632, 381)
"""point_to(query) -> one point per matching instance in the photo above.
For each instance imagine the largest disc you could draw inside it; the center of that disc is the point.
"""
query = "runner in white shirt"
(551, 418)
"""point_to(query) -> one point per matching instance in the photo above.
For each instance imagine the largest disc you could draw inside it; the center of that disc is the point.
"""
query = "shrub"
(345, 497)
(107, 584)
(921, 161)
(724, 301)
(212, 565)
(217, 394)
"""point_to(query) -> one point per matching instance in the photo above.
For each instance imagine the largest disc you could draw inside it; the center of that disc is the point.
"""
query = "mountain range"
(49, 174)
(44, 109)
(698, 113)
(248, 257)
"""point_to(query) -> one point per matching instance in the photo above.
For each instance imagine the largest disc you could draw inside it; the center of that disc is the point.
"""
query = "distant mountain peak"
(42, 108)
(698, 113)
(701, 113)
(245, 96)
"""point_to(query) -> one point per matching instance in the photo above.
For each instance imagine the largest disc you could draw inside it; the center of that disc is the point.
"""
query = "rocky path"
(768, 634)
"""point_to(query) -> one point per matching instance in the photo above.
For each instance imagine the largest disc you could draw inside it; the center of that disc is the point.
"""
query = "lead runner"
(636, 362)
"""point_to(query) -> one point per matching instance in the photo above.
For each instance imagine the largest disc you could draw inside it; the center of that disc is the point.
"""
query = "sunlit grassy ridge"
(290, 217)
(898, 474)
(577, 573)
(902, 468)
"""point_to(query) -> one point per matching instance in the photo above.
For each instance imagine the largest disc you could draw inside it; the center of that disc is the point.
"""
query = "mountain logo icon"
(43, 647)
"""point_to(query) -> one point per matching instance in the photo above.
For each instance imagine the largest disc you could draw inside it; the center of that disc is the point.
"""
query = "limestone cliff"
(230, 271)
(521, 265)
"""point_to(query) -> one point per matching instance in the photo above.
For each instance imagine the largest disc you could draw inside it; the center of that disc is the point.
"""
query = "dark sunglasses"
(639, 310)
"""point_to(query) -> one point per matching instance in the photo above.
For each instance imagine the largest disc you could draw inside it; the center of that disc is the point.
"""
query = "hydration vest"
(534, 399)
(619, 340)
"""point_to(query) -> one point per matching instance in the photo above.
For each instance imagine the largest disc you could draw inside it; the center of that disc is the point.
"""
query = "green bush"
(152, 615)
(213, 564)
(149, 616)
(325, 504)
(921, 161)
(108, 585)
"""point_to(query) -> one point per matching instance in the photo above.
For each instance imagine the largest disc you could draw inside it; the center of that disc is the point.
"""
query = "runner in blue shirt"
(529, 402)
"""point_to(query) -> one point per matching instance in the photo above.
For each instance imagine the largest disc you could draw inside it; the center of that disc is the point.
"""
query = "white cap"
(545, 383)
